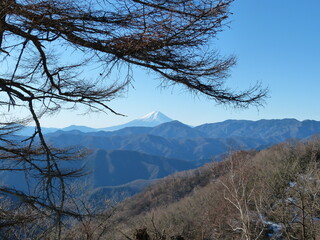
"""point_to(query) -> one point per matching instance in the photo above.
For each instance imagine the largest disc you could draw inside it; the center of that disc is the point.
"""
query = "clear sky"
(277, 42)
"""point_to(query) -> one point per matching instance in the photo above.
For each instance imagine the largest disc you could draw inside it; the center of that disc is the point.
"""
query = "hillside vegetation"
(271, 194)
(267, 194)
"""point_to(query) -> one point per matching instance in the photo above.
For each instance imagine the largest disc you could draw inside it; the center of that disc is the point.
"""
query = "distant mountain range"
(149, 120)
(154, 124)
(133, 155)
(157, 144)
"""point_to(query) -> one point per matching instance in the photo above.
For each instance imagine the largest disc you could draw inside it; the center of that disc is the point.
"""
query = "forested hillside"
(271, 194)
(267, 194)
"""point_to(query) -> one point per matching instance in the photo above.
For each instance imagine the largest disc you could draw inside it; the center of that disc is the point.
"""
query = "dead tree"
(37, 76)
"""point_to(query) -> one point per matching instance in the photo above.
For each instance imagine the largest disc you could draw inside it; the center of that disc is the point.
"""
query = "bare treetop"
(47, 48)
(169, 38)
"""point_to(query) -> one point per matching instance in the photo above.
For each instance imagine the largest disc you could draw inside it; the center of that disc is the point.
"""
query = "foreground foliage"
(271, 194)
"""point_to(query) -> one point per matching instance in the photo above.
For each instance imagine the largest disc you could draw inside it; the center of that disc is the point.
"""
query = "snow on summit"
(149, 120)
(155, 116)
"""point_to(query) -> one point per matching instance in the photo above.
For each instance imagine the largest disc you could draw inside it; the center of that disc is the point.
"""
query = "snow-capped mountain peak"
(149, 120)
(155, 116)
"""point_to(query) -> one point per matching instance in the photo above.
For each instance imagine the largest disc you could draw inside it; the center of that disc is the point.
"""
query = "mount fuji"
(149, 120)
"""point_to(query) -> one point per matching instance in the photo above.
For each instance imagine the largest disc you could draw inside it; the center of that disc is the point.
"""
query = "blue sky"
(277, 42)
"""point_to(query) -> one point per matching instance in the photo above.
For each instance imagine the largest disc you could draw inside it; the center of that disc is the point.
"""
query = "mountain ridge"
(172, 140)
(151, 119)
(157, 119)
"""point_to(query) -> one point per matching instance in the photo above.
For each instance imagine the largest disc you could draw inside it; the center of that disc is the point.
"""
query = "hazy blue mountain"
(175, 129)
(29, 130)
(308, 128)
(128, 131)
(118, 167)
(191, 149)
(270, 130)
(79, 128)
(172, 129)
